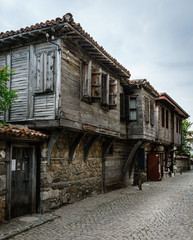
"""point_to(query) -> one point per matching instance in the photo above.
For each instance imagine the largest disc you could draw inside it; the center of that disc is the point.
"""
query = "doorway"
(154, 167)
(23, 180)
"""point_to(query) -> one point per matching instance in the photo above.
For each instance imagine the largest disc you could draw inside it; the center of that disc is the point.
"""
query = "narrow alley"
(162, 210)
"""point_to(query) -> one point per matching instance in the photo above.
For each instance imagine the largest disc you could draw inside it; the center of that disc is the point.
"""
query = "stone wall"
(63, 182)
(2, 180)
(182, 163)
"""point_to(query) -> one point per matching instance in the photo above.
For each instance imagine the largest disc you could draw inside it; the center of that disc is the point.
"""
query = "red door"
(154, 168)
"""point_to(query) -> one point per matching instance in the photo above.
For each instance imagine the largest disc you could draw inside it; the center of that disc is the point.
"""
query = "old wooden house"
(69, 88)
(100, 124)
(169, 130)
(154, 128)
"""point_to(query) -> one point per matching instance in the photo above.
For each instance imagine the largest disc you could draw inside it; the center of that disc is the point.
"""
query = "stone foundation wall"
(2, 180)
(182, 163)
(63, 182)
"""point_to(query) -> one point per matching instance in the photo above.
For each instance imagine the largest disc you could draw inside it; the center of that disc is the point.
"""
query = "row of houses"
(80, 126)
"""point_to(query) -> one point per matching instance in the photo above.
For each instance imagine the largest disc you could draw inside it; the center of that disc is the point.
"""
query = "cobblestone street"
(162, 210)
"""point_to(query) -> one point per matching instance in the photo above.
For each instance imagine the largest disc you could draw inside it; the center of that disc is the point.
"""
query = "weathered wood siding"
(149, 115)
(73, 108)
(2, 64)
(19, 63)
(136, 128)
(115, 162)
(36, 79)
(177, 133)
(165, 134)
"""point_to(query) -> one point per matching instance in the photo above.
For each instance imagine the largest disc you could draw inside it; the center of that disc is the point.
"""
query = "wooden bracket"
(130, 157)
(106, 147)
(74, 145)
(53, 138)
(89, 145)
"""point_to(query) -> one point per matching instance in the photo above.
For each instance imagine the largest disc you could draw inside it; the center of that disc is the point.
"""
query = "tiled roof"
(145, 83)
(165, 97)
(68, 19)
(21, 131)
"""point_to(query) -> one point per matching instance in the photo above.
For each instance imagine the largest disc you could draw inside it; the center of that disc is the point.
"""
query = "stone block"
(51, 194)
(2, 154)
(2, 169)
(2, 182)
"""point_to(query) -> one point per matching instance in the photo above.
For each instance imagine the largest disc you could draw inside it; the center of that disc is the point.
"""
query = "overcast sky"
(153, 39)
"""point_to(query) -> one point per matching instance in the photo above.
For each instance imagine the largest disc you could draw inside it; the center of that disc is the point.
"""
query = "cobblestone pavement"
(162, 210)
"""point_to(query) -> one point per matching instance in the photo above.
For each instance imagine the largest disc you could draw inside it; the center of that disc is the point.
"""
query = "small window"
(163, 117)
(45, 62)
(167, 119)
(132, 109)
(128, 107)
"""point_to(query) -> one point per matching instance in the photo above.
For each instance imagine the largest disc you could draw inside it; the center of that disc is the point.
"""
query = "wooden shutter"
(127, 107)
(45, 71)
(49, 79)
(96, 84)
(122, 106)
(86, 80)
(113, 93)
(105, 89)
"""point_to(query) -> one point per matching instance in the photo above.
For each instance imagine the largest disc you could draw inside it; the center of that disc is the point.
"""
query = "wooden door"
(22, 181)
(153, 167)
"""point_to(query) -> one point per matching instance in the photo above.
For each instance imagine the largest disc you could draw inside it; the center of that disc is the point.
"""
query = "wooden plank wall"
(72, 107)
(135, 128)
(19, 81)
(2, 64)
(33, 102)
(165, 134)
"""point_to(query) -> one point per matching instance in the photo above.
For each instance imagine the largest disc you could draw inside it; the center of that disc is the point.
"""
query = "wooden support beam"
(89, 145)
(131, 155)
(53, 138)
(73, 146)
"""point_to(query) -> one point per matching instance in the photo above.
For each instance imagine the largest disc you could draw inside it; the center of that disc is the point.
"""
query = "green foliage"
(187, 136)
(6, 96)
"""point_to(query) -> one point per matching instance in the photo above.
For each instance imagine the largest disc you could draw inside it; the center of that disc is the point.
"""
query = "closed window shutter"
(127, 109)
(40, 73)
(86, 80)
(105, 89)
(96, 84)
(49, 72)
(45, 71)
(122, 106)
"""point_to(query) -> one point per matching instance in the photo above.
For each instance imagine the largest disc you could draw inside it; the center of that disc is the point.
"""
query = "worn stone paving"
(162, 210)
